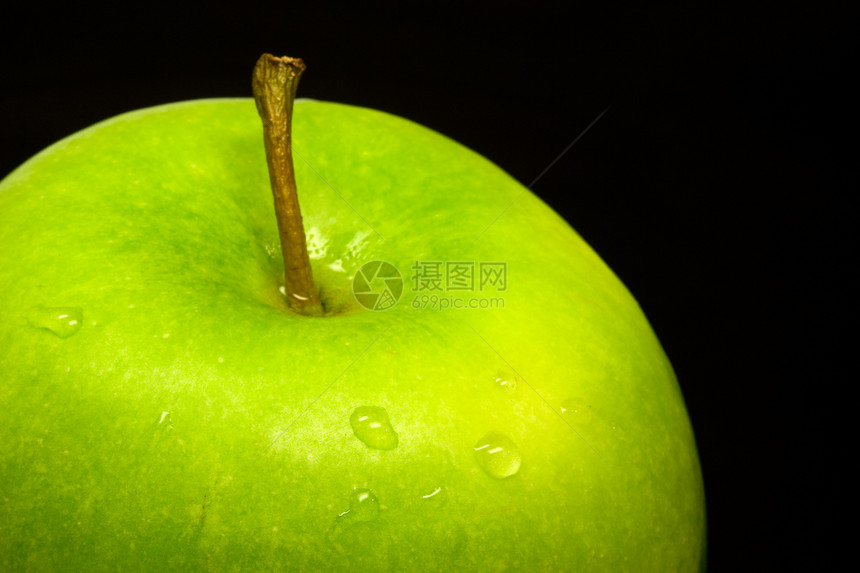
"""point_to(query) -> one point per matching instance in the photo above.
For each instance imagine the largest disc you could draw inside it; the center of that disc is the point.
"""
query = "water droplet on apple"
(162, 435)
(498, 455)
(356, 246)
(506, 383)
(576, 412)
(372, 426)
(363, 506)
(62, 321)
(317, 244)
(435, 497)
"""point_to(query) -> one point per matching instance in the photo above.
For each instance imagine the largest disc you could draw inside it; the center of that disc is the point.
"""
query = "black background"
(716, 186)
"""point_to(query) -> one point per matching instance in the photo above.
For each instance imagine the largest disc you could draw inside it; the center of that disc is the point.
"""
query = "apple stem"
(274, 83)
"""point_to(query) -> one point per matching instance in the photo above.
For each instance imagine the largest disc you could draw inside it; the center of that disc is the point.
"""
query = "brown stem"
(275, 81)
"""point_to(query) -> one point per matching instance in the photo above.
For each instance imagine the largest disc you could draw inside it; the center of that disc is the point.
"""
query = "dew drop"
(363, 506)
(506, 384)
(436, 496)
(576, 412)
(498, 455)
(372, 426)
(162, 433)
(62, 321)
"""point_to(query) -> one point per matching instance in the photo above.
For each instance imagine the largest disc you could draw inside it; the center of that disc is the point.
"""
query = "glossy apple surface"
(162, 410)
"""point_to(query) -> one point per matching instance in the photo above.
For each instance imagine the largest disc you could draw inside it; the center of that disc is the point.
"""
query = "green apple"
(165, 409)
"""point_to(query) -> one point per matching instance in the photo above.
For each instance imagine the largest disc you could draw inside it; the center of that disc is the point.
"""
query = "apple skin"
(191, 422)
